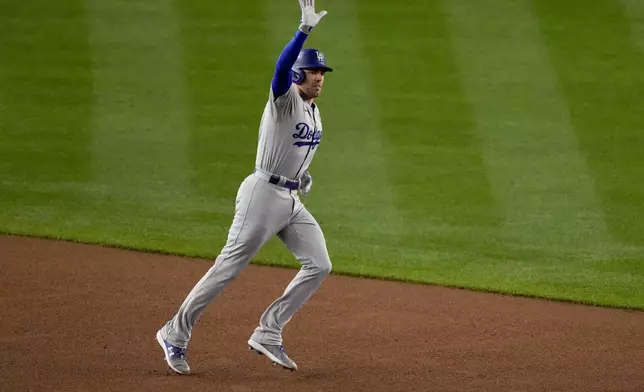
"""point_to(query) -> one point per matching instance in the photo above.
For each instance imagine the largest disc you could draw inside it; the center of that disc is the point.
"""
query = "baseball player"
(268, 204)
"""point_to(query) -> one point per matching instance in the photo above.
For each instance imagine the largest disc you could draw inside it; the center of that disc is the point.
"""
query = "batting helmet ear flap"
(298, 76)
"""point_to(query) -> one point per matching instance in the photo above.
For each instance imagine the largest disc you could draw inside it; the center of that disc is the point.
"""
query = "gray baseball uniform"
(289, 134)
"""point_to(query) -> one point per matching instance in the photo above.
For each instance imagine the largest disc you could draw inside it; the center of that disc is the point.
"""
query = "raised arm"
(282, 77)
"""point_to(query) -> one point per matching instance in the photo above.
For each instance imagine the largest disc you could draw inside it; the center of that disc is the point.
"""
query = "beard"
(309, 93)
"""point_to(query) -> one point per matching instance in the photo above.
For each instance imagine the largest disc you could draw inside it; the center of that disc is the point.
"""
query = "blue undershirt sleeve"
(282, 77)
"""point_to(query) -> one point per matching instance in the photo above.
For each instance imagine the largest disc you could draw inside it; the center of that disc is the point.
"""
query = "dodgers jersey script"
(289, 133)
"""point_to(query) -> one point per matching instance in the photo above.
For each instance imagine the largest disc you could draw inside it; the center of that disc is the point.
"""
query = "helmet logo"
(320, 57)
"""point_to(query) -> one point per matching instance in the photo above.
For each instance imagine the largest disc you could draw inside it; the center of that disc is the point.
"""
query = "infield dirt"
(80, 317)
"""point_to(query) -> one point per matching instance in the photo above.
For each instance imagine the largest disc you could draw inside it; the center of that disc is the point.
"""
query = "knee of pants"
(324, 267)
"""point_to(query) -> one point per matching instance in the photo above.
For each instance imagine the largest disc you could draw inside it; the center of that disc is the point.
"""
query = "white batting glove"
(309, 18)
(306, 182)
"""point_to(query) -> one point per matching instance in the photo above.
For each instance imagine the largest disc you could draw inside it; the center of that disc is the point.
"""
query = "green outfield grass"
(494, 145)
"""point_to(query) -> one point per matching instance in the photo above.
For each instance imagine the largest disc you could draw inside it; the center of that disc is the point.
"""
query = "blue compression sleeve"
(282, 77)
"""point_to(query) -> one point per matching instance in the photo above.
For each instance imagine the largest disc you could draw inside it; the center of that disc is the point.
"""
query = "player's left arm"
(282, 78)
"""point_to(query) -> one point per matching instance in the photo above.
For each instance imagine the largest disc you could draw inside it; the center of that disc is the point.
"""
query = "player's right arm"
(282, 78)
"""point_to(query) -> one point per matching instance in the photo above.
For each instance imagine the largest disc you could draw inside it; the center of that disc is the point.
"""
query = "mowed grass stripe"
(448, 216)
(140, 129)
(228, 77)
(434, 159)
(45, 115)
(601, 73)
(45, 94)
(227, 74)
(531, 152)
(634, 10)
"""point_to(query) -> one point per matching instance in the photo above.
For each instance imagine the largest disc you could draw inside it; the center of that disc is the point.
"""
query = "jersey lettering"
(311, 137)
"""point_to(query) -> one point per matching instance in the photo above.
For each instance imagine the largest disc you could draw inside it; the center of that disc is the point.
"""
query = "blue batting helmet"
(308, 59)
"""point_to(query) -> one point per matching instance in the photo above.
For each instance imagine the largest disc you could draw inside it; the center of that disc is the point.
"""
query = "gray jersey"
(289, 134)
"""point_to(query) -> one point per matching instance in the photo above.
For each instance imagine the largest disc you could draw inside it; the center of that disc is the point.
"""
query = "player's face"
(313, 82)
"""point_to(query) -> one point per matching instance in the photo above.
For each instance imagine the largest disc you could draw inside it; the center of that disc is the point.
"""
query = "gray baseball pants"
(261, 211)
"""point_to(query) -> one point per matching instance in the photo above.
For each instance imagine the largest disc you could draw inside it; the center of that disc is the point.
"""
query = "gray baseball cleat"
(174, 356)
(275, 353)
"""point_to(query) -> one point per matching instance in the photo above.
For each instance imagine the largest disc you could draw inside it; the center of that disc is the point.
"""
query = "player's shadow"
(268, 373)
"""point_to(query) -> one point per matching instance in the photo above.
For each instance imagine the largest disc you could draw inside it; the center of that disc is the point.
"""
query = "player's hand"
(305, 183)
(309, 17)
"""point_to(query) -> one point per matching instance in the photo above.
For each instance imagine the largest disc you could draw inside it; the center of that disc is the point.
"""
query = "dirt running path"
(83, 318)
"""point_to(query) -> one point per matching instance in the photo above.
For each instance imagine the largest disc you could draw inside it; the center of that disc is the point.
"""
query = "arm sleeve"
(282, 77)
